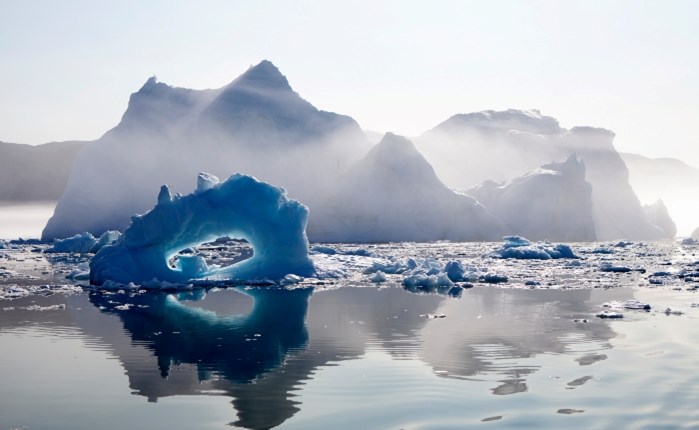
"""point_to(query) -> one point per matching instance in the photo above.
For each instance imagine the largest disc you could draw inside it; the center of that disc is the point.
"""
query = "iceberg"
(668, 179)
(394, 195)
(167, 135)
(658, 215)
(553, 202)
(241, 207)
(511, 143)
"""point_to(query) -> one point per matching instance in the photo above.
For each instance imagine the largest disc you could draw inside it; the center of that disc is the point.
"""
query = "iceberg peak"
(264, 75)
(150, 84)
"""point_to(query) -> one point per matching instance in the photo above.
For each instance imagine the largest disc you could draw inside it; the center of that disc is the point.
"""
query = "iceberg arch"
(241, 207)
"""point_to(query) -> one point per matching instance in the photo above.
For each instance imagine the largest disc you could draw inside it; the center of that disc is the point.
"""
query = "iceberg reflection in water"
(349, 357)
(261, 359)
(237, 349)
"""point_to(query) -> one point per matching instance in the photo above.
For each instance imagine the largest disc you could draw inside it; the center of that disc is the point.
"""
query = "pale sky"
(67, 68)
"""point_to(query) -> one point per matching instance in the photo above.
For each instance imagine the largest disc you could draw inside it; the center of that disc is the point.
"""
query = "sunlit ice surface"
(348, 353)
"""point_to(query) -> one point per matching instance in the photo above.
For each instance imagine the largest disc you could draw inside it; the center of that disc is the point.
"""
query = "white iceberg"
(553, 202)
(658, 215)
(511, 143)
(241, 207)
(257, 125)
(394, 195)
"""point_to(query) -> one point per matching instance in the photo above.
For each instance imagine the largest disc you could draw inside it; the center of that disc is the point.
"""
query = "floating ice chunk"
(689, 241)
(59, 307)
(427, 281)
(324, 250)
(241, 207)
(492, 278)
(291, 279)
(82, 272)
(515, 241)
(378, 277)
(671, 311)
(392, 267)
(80, 243)
(609, 267)
(433, 316)
(455, 271)
(109, 237)
(628, 304)
(602, 250)
(521, 248)
(4, 244)
(623, 244)
(361, 252)
(610, 315)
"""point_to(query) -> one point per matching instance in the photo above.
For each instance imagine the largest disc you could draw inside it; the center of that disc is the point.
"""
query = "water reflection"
(494, 331)
(261, 355)
(227, 351)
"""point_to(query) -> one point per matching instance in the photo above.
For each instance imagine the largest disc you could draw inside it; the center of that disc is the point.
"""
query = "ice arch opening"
(241, 207)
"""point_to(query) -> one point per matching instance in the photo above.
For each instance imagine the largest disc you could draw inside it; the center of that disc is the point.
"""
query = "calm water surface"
(348, 358)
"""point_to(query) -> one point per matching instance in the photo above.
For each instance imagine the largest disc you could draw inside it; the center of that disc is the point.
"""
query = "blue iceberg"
(241, 207)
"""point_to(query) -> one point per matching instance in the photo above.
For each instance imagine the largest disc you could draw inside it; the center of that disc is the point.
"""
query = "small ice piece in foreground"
(610, 315)
(378, 277)
(80, 243)
(433, 316)
(671, 311)
(241, 207)
(455, 271)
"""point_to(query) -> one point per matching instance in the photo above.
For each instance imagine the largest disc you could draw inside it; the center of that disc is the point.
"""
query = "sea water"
(348, 355)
